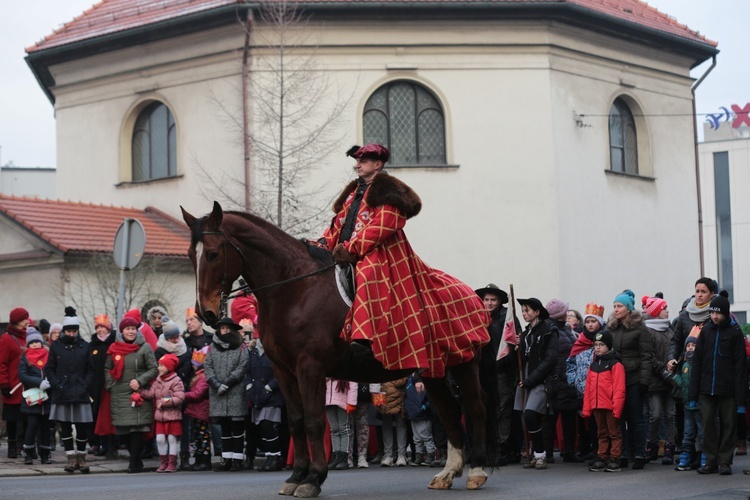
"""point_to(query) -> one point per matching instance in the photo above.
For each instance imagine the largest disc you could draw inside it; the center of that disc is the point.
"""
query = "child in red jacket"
(604, 399)
(168, 394)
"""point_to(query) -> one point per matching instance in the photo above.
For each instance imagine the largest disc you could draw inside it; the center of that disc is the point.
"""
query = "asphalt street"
(560, 481)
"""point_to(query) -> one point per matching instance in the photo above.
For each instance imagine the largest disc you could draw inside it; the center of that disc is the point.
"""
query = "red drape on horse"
(415, 316)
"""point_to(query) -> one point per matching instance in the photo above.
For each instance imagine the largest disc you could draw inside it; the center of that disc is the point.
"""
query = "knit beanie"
(32, 335)
(170, 361)
(43, 326)
(720, 304)
(557, 309)
(135, 314)
(70, 321)
(626, 299)
(18, 314)
(653, 306)
(606, 337)
(128, 321)
(55, 326)
(692, 339)
(169, 328)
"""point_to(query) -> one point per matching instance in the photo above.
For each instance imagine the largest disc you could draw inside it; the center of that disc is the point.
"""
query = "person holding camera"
(660, 400)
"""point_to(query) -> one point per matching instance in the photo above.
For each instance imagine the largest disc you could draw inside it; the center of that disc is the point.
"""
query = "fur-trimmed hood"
(630, 322)
(385, 190)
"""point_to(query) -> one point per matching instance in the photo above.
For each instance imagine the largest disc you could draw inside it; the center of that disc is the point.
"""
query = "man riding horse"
(405, 314)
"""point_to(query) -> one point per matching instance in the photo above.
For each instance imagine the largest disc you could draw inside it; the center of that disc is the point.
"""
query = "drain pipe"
(697, 165)
(245, 110)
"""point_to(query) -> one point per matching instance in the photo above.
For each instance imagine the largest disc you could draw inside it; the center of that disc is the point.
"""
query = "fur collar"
(631, 322)
(385, 190)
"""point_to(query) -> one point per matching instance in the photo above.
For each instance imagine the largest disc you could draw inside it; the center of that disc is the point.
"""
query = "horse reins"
(245, 289)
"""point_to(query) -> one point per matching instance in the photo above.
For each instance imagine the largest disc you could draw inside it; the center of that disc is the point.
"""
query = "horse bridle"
(245, 289)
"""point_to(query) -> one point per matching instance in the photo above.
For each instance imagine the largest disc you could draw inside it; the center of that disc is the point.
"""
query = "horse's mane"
(321, 256)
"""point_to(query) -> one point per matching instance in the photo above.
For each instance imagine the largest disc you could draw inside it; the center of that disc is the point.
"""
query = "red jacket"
(12, 344)
(605, 385)
(171, 387)
(197, 398)
(415, 316)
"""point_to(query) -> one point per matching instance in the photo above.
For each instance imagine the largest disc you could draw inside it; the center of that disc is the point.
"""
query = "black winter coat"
(539, 355)
(70, 371)
(567, 396)
(719, 364)
(32, 376)
(98, 354)
(682, 328)
(259, 374)
(487, 363)
(199, 342)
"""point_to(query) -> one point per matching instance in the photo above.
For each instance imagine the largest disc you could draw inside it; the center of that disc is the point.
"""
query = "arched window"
(154, 144)
(407, 119)
(623, 140)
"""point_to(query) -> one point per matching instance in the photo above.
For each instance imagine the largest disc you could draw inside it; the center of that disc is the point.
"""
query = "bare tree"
(294, 120)
(94, 282)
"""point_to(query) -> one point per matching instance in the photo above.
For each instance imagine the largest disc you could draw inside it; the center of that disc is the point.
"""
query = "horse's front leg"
(290, 388)
(449, 412)
(312, 373)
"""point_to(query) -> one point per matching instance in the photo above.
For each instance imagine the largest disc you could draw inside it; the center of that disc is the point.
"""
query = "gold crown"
(199, 357)
(103, 319)
(595, 309)
(190, 312)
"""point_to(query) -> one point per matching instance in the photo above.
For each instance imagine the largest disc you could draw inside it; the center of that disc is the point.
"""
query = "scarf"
(698, 314)
(177, 349)
(351, 216)
(37, 357)
(19, 334)
(584, 342)
(118, 351)
(658, 324)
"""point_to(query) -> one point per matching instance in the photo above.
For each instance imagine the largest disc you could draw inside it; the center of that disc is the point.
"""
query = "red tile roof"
(88, 228)
(112, 16)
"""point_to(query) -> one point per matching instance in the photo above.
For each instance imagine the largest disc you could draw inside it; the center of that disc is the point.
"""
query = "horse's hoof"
(307, 491)
(438, 483)
(288, 489)
(475, 482)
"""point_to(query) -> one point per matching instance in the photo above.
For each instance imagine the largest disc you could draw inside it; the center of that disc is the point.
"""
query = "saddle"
(344, 277)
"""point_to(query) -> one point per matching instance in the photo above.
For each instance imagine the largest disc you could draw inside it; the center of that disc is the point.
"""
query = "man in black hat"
(493, 375)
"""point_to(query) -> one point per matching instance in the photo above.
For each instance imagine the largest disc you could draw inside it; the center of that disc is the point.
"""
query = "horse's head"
(217, 262)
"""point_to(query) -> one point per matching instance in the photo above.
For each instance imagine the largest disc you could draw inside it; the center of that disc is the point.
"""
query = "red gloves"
(136, 399)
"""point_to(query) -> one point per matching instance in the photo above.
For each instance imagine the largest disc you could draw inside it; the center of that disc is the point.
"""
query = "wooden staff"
(520, 378)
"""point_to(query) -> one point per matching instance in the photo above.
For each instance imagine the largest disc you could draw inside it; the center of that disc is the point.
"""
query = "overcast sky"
(27, 122)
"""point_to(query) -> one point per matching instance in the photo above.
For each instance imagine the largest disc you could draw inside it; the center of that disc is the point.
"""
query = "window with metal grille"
(623, 140)
(407, 119)
(154, 144)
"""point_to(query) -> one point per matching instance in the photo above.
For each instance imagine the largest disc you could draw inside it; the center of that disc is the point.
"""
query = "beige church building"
(551, 142)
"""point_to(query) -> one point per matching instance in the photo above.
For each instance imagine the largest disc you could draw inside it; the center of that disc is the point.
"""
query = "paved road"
(560, 481)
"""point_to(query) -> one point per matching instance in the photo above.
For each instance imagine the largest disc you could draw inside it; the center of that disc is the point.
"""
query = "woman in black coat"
(70, 373)
(538, 344)
(98, 346)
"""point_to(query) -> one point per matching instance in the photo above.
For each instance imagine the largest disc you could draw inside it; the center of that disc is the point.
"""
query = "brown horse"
(300, 321)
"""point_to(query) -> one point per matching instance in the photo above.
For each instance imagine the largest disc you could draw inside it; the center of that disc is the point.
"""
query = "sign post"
(130, 242)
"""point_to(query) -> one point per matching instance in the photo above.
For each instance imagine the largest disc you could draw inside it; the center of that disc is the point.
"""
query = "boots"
(184, 460)
(164, 462)
(335, 460)
(12, 451)
(652, 451)
(171, 464)
(136, 448)
(44, 455)
(82, 465)
(72, 463)
(439, 460)
(225, 465)
(741, 447)
(668, 458)
(238, 464)
(418, 460)
(343, 462)
(202, 463)
(274, 464)
(28, 459)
